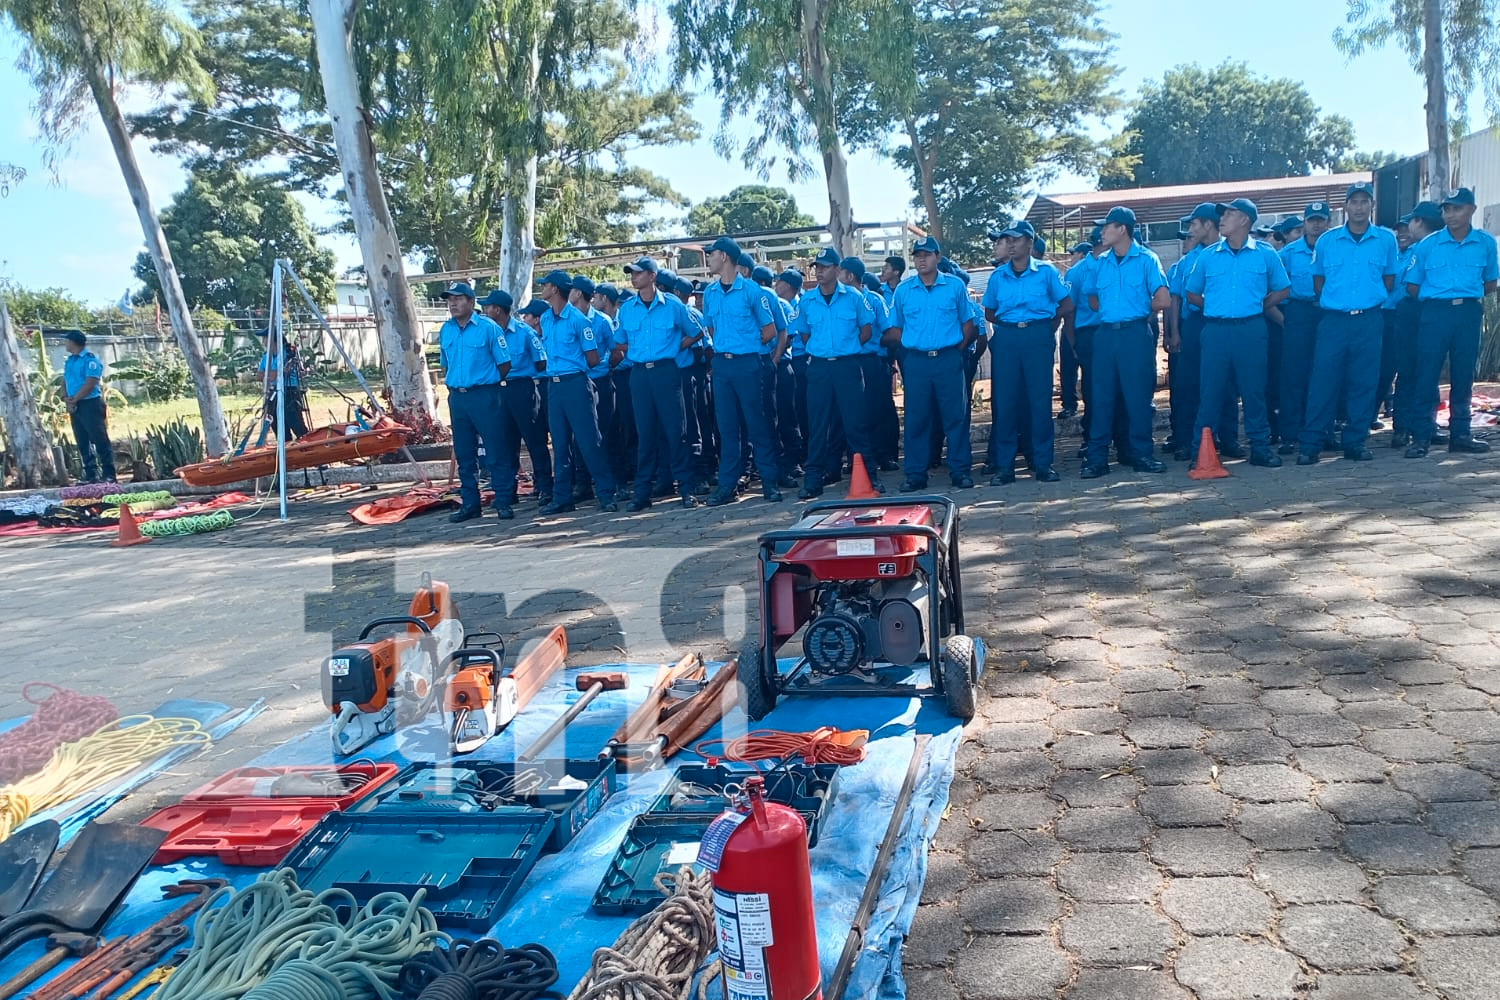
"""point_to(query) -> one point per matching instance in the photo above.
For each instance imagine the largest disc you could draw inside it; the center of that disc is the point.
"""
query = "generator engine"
(856, 623)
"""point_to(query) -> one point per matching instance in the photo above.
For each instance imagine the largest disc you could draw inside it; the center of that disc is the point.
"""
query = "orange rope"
(821, 746)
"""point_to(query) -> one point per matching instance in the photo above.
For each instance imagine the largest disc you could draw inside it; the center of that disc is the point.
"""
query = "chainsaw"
(480, 698)
(372, 685)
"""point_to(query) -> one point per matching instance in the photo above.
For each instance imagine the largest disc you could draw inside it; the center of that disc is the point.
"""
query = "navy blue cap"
(1462, 196)
(684, 287)
(854, 266)
(583, 284)
(458, 288)
(1360, 187)
(607, 290)
(745, 260)
(1205, 210)
(1317, 210)
(871, 282)
(500, 298)
(1183, 232)
(927, 244)
(79, 337)
(646, 264)
(1288, 224)
(995, 232)
(1261, 231)
(1020, 228)
(1084, 247)
(1427, 211)
(560, 279)
(762, 275)
(1241, 205)
(534, 308)
(726, 245)
(1039, 246)
(792, 277)
(1096, 235)
(828, 257)
(1120, 215)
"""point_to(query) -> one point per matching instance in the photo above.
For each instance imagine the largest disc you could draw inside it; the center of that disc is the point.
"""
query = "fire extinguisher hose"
(656, 957)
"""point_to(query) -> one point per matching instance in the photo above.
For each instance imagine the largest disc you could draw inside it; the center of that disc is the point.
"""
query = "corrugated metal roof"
(1169, 203)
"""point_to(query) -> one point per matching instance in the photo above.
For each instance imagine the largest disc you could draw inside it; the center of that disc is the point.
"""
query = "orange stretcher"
(323, 446)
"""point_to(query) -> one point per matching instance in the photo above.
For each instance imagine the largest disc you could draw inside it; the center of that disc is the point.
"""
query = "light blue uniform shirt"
(1235, 285)
(1402, 263)
(604, 336)
(795, 347)
(1354, 270)
(878, 326)
(686, 357)
(1124, 285)
(888, 293)
(1026, 297)
(736, 315)
(525, 348)
(778, 317)
(79, 368)
(567, 336)
(653, 331)
(1297, 258)
(932, 318)
(473, 353)
(292, 380)
(832, 327)
(1079, 276)
(1444, 268)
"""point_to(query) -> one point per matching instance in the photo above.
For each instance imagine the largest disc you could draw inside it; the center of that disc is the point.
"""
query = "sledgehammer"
(591, 685)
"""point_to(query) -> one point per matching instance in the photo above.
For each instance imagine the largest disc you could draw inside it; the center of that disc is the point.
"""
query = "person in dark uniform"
(1234, 282)
(1022, 301)
(1389, 351)
(1067, 357)
(1354, 271)
(1300, 318)
(83, 395)
(619, 436)
(932, 320)
(475, 361)
(740, 320)
(1421, 222)
(700, 358)
(781, 401)
(875, 365)
(655, 328)
(296, 398)
(834, 321)
(792, 403)
(1126, 287)
(520, 406)
(1450, 275)
(572, 351)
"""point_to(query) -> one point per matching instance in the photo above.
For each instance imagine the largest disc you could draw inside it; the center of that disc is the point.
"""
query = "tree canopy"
(749, 208)
(49, 307)
(1201, 125)
(226, 228)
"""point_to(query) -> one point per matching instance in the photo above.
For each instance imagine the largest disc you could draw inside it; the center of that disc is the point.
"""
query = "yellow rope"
(109, 753)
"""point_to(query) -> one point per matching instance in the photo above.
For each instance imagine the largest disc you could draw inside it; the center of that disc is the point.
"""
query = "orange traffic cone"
(859, 481)
(1208, 465)
(129, 533)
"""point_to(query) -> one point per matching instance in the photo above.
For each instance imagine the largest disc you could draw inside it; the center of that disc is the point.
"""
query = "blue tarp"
(564, 883)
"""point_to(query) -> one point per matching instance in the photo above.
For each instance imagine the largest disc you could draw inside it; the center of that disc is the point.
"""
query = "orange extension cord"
(821, 746)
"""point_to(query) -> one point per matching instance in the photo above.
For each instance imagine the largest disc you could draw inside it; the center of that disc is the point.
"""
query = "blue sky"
(80, 231)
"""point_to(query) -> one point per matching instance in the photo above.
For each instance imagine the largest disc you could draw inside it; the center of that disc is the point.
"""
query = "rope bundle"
(657, 955)
(62, 717)
(821, 746)
(143, 497)
(273, 940)
(480, 970)
(192, 524)
(109, 753)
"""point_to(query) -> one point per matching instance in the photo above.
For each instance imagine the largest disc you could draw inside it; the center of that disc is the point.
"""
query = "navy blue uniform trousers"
(1234, 357)
(880, 406)
(1067, 374)
(835, 386)
(1449, 333)
(660, 416)
(1403, 397)
(1298, 341)
(1346, 363)
(573, 420)
(474, 415)
(90, 420)
(934, 384)
(739, 400)
(1021, 393)
(521, 423)
(1123, 375)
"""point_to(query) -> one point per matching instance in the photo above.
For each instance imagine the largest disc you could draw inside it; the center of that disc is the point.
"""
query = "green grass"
(241, 409)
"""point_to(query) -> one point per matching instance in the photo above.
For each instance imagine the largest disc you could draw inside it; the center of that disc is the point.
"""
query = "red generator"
(872, 590)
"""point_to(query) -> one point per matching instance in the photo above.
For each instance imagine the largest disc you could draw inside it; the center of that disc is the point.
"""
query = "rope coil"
(821, 746)
(480, 970)
(657, 955)
(61, 717)
(191, 524)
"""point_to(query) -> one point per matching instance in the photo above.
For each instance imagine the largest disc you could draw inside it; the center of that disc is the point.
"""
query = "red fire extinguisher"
(763, 905)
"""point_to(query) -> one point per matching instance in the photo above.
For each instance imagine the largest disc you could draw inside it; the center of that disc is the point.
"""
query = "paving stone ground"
(1240, 738)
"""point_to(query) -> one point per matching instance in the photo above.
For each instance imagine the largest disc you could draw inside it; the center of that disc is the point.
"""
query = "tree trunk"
(391, 301)
(215, 430)
(835, 165)
(926, 166)
(518, 229)
(30, 447)
(1434, 67)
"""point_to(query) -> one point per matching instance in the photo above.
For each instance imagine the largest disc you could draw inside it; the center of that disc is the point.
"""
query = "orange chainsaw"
(365, 682)
(480, 698)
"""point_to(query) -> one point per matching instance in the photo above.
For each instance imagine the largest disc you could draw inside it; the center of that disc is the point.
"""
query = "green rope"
(191, 524)
(145, 496)
(275, 941)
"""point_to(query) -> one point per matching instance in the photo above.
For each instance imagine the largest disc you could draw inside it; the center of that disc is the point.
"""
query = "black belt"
(473, 388)
(730, 357)
(1301, 302)
(1232, 321)
(653, 364)
(559, 378)
(841, 357)
(928, 354)
(1121, 326)
(516, 378)
(1352, 312)
(1022, 326)
(1450, 302)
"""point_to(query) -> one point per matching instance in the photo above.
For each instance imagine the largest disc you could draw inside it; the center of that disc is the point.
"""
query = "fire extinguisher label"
(743, 920)
(711, 851)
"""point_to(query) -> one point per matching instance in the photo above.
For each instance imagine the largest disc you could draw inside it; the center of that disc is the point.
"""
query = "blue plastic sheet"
(564, 883)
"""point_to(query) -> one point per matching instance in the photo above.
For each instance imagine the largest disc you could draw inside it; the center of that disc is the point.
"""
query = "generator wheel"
(759, 697)
(959, 670)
